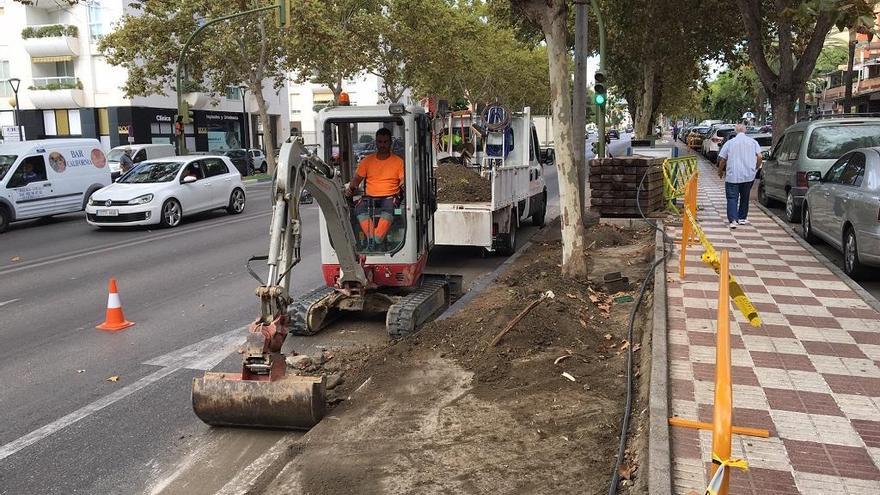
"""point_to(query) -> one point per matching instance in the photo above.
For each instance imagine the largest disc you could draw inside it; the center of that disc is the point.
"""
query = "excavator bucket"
(289, 402)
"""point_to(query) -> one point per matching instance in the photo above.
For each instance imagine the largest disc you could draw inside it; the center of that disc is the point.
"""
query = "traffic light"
(283, 17)
(595, 146)
(601, 96)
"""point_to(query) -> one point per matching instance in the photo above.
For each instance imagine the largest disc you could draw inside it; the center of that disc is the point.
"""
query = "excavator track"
(417, 307)
(298, 311)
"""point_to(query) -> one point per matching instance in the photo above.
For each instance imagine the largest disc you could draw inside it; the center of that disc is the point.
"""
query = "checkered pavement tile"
(810, 375)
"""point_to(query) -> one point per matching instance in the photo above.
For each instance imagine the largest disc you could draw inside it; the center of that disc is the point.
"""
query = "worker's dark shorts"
(367, 207)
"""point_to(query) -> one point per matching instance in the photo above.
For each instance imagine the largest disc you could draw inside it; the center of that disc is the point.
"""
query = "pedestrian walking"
(675, 132)
(125, 161)
(738, 162)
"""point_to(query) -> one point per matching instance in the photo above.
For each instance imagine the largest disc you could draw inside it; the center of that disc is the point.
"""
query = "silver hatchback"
(843, 208)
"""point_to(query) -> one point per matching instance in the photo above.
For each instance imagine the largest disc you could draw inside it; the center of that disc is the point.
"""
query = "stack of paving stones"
(614, 183)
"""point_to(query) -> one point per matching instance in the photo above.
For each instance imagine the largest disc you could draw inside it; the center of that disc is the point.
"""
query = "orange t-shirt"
(384, 177)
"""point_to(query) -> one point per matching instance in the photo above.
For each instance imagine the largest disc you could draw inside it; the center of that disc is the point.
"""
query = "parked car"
(711, 144)
(163, 191)
(695, 137)
(612, 134)
(811, 146)
(240, 158)
(139, 153)
(842, 208)
(49, 177)
(258, 160)
(765, 141)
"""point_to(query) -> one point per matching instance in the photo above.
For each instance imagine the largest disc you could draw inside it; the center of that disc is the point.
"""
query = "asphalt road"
(64, 427)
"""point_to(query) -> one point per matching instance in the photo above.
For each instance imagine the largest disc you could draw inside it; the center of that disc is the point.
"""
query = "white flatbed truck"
(518, 193)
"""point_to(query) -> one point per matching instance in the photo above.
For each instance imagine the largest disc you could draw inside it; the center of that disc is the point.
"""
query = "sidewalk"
(810, 375)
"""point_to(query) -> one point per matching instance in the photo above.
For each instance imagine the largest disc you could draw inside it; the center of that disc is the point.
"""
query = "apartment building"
(68, 90)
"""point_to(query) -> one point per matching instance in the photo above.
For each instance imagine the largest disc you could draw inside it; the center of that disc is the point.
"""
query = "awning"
(50, 60)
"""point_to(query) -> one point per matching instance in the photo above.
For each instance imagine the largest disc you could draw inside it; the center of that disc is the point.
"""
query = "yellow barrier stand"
(690, 205)
(722, 409)
(677, 172)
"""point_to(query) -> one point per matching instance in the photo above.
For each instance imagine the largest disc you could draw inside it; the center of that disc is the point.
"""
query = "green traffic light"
(600, 99)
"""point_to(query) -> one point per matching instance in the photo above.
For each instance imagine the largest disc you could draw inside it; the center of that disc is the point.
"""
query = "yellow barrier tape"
(718, 478)
(710, 257)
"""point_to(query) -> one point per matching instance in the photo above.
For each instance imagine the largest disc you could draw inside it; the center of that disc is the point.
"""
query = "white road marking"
(4, 303)
(202, 355)
(82, 413)
(244, 481)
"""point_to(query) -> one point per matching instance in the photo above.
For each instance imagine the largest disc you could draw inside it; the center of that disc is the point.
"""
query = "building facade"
(67, 89)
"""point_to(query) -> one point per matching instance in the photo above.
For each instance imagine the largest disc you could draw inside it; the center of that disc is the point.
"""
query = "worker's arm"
(353, 185)
(722, 166)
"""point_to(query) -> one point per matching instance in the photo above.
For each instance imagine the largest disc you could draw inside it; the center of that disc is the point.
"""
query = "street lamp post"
(247, 124)
(14, 83)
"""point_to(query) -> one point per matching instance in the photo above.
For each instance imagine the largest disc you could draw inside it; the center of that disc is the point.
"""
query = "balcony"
(51, 42)
(56, 92)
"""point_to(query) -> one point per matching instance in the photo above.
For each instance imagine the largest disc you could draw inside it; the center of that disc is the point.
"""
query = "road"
(65, 427)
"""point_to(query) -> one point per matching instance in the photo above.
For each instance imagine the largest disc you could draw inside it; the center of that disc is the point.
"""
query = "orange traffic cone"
(115, 320)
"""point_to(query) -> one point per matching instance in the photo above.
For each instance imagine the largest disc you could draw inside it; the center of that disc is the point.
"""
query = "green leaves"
(50, 31)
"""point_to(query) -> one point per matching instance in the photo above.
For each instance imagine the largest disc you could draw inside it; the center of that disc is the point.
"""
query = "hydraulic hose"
(624, 429)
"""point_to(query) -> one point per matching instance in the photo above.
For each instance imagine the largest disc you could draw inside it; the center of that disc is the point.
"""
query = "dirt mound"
(540, 411)
(459, 184)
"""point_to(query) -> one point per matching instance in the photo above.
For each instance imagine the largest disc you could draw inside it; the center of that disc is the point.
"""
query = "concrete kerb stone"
(659, 451)
(254, 181)
(865, 295)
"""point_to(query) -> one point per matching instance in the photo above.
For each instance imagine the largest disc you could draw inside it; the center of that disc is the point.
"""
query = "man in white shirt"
(738, 162)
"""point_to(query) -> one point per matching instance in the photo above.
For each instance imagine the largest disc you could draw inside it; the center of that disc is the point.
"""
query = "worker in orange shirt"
(383, 172)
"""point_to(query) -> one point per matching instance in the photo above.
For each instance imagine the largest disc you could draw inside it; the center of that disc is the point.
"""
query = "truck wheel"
(4, 219)
(538, 218)
(508, 240)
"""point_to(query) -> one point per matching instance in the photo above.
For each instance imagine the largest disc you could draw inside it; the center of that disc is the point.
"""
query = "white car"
(162, 191)
(258, 159)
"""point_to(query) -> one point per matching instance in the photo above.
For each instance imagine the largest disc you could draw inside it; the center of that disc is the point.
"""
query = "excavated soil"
(444, 411)
(459, 184)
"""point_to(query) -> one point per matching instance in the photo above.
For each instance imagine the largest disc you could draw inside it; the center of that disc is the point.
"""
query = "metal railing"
(60, 82)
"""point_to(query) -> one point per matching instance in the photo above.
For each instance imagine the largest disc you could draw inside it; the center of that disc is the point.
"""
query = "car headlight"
(146, 198)
(94, 202)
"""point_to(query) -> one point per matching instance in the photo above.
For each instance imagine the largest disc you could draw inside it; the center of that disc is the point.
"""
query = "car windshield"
(148, 172)
(115, 155)
(6, 162)
(832, 142)
(764, 140)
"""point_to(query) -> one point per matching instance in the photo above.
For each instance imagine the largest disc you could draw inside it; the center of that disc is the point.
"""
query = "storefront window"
(224, 132)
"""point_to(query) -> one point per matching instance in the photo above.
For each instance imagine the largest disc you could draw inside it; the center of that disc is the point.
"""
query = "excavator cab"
(350, 142)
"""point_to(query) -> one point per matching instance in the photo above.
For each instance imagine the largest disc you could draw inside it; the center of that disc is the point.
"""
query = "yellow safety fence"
(676, 174)
(722, 406)
(690, 229)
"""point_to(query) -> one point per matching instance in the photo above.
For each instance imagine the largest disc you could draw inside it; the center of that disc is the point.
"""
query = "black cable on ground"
(624, 429)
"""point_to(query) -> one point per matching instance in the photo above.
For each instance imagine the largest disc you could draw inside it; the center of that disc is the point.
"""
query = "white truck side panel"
(463, 225)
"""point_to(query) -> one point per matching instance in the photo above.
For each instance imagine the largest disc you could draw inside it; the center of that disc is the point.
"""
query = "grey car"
(810, 146)
(842, 208)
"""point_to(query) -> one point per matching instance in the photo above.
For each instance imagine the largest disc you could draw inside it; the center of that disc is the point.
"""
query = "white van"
(49, 177)
(139, 153)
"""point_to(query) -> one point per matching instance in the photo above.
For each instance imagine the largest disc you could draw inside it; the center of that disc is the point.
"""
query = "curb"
(256, 181)
(659, 451)
(858, 289)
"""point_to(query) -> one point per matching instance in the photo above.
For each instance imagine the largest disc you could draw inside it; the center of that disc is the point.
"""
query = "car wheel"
(851, 264)
(762, 194)
(807, 226)
(508, 240)
(538, 218)
(5, 217)
(236, 202)
(171, 213)
(792, 212)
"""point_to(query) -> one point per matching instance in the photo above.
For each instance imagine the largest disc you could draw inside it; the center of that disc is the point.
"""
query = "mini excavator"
(361, 273)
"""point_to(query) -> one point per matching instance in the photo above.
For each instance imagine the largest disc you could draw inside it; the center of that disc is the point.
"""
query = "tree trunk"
(554, 24)
(645, 109)
(782, 104)
(847, 78)
(268, 141)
